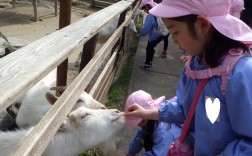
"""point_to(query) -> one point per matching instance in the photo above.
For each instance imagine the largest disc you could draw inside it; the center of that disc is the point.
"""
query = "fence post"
(35, 6)
(88, 51)
(64, 20)
(56, 7)
(120, 21)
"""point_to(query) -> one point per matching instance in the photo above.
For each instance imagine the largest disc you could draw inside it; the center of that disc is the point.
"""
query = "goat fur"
(83, 129)
(35, 104)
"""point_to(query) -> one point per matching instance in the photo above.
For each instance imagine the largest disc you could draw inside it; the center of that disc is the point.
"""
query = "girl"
(150, 27)
(152, 135)
(205, 30)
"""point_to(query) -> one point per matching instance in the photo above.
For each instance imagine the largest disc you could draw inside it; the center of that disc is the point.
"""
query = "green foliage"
(87, 153)
(119, 89)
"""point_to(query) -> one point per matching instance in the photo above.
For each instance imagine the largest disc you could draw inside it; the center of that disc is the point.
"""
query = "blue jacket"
(231, 133)
(150, 27)
(164, 135)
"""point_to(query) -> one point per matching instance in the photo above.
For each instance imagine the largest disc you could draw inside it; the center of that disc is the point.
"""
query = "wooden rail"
(20, 70)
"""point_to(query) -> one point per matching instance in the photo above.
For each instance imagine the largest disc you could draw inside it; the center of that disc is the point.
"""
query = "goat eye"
(80, 100)
(85, 115)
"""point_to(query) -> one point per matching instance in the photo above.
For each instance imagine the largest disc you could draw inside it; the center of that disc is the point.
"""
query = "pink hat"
(145, 100)
(236, 8)
(217, 12)
(145, 2)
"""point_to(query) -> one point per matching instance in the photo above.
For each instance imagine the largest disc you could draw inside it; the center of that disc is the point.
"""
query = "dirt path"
(16, 22)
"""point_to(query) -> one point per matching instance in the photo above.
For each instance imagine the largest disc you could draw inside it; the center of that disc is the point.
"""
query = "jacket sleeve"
(239, 105)
(136, 144)
(171, 110)
(147, 25)
(163, 137)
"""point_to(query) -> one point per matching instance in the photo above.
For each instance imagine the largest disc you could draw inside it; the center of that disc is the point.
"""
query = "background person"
(150, 26)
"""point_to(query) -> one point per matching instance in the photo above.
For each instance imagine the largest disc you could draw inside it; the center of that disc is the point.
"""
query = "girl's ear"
(204, 24)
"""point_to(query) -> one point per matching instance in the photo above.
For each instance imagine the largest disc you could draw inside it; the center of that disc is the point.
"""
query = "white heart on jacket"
(212, 109)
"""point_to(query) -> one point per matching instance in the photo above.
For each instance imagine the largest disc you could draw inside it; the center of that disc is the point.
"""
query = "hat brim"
(133, 121)
(159, 101)
(165, 11)
(232, 27)
(227, 25)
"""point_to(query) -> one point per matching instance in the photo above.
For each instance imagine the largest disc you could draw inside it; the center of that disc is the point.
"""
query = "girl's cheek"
(174, 39)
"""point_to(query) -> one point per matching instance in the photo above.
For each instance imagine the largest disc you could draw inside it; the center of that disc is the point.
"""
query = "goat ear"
(51, 98)
(68, 123)
(72, 118)
(63, 127)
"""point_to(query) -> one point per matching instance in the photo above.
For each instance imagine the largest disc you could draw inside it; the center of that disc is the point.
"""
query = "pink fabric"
(233, 56)
(236, 8)
(217, 12)
(150, 2)
(143, 99)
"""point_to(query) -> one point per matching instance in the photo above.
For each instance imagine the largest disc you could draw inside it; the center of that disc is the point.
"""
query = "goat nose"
(103, 107)
(116, 111)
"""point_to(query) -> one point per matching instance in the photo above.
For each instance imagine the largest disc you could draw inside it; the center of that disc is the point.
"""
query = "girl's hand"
(135, 110)
(183, 58)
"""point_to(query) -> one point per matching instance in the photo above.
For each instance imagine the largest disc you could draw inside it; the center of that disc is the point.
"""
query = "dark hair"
(217, 47)
(148, 137)
(147, 6)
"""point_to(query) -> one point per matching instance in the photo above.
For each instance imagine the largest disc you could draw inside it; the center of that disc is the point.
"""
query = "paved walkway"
(162, 78)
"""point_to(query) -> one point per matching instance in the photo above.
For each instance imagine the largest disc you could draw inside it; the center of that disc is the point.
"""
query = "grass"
(118, 91)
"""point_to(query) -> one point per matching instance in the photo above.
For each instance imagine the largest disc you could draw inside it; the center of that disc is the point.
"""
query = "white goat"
(83, 129)
(36, 102)
(110, 28)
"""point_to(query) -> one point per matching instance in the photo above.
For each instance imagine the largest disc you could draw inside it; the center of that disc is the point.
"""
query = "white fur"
(83, 129)
(35, 105)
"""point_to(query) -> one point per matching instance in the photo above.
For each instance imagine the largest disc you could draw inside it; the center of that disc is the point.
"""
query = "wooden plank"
(105, 91)
(101, 86)
(36, 142)
(19, 71)
(100, 82)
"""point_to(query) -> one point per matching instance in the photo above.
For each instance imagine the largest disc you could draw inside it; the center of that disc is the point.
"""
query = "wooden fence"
(20, 70)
